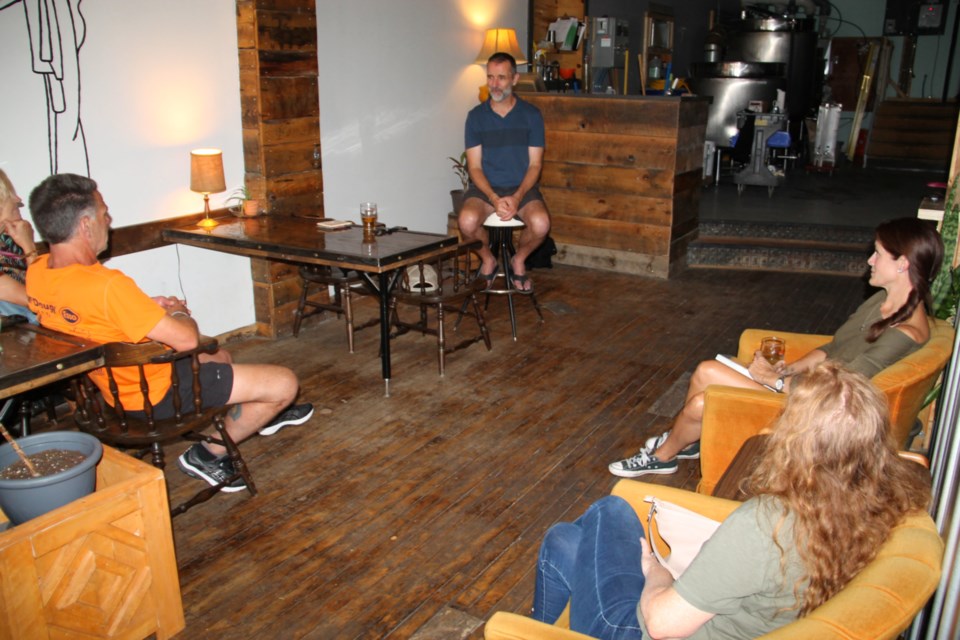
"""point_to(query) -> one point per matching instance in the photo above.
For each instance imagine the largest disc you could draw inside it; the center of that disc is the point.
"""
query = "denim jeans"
(11, 309)
(595, 564)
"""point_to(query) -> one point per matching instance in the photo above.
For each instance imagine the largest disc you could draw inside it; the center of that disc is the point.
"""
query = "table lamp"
(504, 40)
(206, 177)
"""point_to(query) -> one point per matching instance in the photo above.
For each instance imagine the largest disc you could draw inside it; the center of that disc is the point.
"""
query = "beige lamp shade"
(504, 40)
(206, 171)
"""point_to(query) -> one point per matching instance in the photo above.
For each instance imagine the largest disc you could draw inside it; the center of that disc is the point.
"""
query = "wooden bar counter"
(622, 179)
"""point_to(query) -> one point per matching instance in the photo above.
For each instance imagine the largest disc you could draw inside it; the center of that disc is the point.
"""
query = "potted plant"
(47, 481)
(460, 169)
(243, 204)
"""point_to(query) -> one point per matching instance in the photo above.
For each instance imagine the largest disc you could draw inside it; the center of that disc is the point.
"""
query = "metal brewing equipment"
(760, 55)
(788, 41)
(733, 86)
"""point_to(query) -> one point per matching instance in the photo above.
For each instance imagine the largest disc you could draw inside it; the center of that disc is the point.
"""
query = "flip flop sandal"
(488, 277)
(523, 280)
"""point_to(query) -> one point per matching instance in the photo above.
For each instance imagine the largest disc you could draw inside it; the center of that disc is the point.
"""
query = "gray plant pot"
(456, 197)
(24, 499)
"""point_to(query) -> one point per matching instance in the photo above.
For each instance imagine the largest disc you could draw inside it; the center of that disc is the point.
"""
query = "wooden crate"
(99, 567)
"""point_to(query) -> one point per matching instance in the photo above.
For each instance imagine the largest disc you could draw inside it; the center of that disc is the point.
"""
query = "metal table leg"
(384, 287)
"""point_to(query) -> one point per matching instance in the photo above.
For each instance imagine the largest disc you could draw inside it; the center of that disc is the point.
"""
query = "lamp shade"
(504, 40)
(206, 171)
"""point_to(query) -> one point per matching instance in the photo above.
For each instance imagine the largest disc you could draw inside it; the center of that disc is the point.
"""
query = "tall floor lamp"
(206, 177)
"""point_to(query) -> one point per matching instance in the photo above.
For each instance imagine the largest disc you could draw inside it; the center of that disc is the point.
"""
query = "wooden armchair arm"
(730, 416)
(126, 354)
(798, 344)
(205, 344)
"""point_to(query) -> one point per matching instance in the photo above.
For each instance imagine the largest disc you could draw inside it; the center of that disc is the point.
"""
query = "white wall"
(153, 86)
(396, 81)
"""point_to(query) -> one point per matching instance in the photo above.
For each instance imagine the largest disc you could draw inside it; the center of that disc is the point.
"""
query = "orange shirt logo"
(69, 316)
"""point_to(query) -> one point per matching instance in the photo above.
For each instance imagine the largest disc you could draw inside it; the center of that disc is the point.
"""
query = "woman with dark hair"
(889, 326)
(828, 490)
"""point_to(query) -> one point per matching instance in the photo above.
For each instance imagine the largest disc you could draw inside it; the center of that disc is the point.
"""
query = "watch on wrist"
(778, 385)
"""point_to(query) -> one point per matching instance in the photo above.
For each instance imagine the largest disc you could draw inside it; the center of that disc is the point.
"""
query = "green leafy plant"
(945, 289)
(460, 169)
(239, 196)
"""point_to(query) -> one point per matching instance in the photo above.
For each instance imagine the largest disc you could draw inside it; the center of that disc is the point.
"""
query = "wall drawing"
(57, 30)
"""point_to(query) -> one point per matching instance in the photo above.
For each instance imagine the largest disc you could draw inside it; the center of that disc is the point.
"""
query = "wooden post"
(865, 84)
(280, 111)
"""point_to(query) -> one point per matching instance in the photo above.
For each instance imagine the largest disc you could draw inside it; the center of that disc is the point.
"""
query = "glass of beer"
(368, 215)
(772, 349)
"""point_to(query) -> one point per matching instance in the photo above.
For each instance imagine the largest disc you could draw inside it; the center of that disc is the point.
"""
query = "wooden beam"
(140, 237)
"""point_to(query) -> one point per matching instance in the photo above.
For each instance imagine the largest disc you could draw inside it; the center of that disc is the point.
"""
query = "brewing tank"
(788, 41)
(733, 85)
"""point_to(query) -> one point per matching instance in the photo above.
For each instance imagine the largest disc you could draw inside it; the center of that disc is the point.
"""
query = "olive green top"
(850, 347)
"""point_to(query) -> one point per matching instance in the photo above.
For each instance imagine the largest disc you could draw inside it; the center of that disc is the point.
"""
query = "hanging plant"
(945, 289)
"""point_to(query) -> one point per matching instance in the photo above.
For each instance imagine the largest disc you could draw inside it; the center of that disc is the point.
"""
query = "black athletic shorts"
(216, 381)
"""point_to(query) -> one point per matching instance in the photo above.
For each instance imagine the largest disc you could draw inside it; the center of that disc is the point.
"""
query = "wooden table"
(34, 356)
(740, 468)
(299, 240)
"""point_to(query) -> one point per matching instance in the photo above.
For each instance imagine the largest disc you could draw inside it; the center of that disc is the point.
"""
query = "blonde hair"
(832, 464)
(6, 187)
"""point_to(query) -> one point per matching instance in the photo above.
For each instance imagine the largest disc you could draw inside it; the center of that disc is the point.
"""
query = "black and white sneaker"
(690, 452)
(295, 414)
(198, 462)
(642, 464)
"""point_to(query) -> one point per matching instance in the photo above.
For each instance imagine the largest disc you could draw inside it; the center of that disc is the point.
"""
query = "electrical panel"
(914, 18)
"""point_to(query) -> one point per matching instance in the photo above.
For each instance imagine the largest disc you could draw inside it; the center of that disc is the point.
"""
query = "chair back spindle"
(147, 435)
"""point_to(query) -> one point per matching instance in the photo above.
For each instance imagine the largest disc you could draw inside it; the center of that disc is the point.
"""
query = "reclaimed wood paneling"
(613, 115)
(609, 206)
(608, 149)
(621, 176)
(642, 181)
(542, 13)
(280, 114)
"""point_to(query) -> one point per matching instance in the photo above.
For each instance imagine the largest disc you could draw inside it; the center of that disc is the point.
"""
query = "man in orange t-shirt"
(70, 291)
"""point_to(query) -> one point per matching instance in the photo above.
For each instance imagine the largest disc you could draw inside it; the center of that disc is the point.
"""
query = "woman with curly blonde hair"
(833, 468)
(828, 490)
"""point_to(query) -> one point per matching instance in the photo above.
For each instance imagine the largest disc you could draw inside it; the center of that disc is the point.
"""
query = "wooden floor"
(381, 513)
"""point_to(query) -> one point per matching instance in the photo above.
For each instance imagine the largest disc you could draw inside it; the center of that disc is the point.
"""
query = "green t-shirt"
(850, 347)
(737, 575)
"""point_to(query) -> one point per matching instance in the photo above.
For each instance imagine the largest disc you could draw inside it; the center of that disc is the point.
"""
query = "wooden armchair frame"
(112, 425)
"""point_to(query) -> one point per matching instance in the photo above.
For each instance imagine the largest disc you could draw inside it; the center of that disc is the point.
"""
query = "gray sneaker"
(642, 464)
(690, 452)
(198, 462)
(296, 414)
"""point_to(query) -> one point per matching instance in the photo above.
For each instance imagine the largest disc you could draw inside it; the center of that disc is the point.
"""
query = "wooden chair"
(113, 426)
(345, 284)
(456, 288)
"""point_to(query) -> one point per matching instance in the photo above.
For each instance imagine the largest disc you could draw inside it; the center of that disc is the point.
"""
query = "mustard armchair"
(732, 415)
(879, 603)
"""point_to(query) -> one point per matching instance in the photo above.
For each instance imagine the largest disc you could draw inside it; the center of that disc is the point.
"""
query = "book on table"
(333, 225)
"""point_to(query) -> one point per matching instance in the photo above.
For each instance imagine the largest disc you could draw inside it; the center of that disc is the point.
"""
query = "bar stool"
(501, 243)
